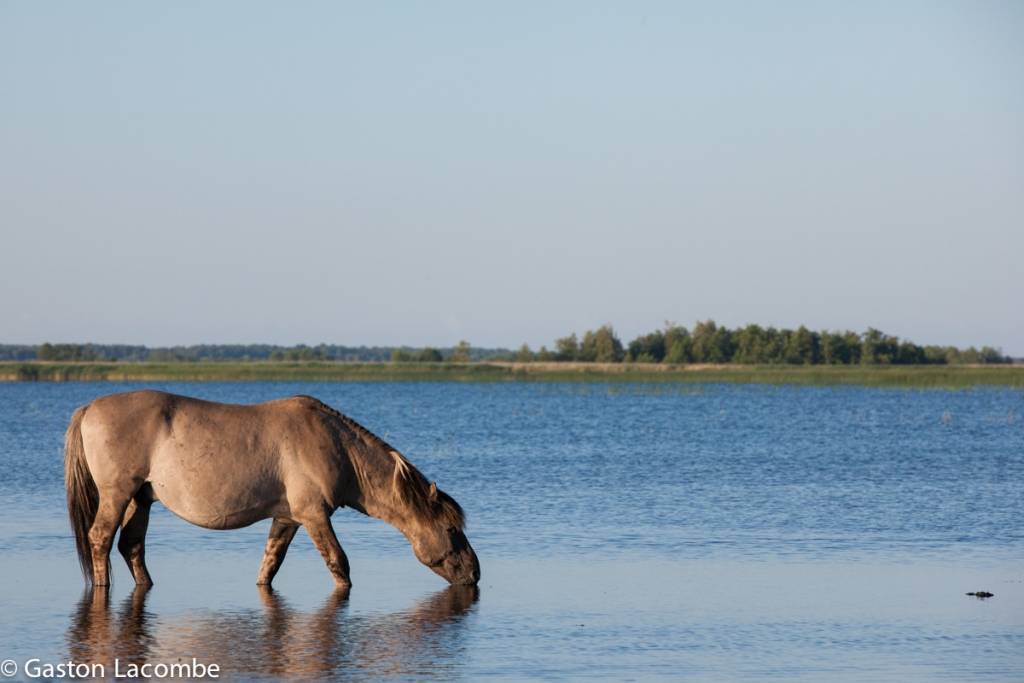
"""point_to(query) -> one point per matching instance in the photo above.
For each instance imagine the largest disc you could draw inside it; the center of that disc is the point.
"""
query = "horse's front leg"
(281, 535)
(318, 526)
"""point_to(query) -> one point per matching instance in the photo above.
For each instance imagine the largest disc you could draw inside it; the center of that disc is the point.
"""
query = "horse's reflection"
(95, 635)
(279, 640)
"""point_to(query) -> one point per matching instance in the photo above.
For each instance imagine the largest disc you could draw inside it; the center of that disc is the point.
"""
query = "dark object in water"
(982, 594)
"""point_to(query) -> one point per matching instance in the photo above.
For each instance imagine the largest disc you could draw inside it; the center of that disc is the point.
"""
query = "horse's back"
(147, 416)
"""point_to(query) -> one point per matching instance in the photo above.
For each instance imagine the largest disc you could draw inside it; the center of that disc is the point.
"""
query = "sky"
(421, 173)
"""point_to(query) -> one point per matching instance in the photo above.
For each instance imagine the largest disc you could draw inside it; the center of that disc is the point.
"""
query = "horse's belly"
(215, 496)
(212, 518)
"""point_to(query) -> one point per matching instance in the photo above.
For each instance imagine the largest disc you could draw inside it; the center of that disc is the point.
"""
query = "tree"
(869, 345)
(723, 345)
(935, 355)
(751, 345)
(544, 355)
(711, 344)
(609, 346)
(524, 354)
(852, 341)
(461, 352)
(400, 356)
(801, 347)
(991, 355)
(834, 349)
(878, 348)
(774, 345)
(601, 346)
(678, 344)
(970, 356)
(429, 355)
(567, 348)
(48, 351)
(648, 348)
(909, 353)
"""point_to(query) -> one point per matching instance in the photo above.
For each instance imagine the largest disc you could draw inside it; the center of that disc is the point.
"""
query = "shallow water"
(625, 531)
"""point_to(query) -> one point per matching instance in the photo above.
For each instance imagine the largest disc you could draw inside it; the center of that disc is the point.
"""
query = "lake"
(625, 531)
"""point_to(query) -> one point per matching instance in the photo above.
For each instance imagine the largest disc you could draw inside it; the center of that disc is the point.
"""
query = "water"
(641, 532)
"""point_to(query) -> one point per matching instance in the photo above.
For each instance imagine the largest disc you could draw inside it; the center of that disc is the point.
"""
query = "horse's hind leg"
(281, 534)
(101, 535)
(319, 528)
(132, 543)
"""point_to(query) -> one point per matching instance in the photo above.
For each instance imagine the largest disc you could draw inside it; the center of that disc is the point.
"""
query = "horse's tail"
(83, 496)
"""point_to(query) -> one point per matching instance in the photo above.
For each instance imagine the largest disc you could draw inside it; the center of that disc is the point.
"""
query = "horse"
(224, 466)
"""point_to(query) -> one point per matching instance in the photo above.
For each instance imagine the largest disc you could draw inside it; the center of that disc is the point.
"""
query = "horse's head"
(430, 518)
(440, 543)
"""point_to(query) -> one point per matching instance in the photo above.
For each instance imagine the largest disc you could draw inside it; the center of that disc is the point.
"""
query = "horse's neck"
(375, 471)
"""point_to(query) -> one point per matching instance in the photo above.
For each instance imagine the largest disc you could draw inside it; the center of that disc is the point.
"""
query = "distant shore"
(938, 376)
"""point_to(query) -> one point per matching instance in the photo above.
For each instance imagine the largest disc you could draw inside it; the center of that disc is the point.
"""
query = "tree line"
(708, 342)
(462, 352)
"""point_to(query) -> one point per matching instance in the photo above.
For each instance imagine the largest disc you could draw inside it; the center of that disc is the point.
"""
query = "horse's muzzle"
(460, 568)
(472, 576)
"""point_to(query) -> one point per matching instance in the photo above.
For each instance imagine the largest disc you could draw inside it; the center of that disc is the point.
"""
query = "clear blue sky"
(389, 173)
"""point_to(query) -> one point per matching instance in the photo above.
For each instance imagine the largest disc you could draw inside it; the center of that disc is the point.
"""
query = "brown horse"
(224, 466)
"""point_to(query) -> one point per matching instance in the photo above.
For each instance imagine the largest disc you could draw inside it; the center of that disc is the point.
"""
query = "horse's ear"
(433, 491)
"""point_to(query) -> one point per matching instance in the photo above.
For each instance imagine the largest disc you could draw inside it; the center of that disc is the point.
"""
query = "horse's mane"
(409, 484)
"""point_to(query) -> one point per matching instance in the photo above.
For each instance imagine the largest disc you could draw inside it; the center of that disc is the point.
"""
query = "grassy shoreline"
(937, 376)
